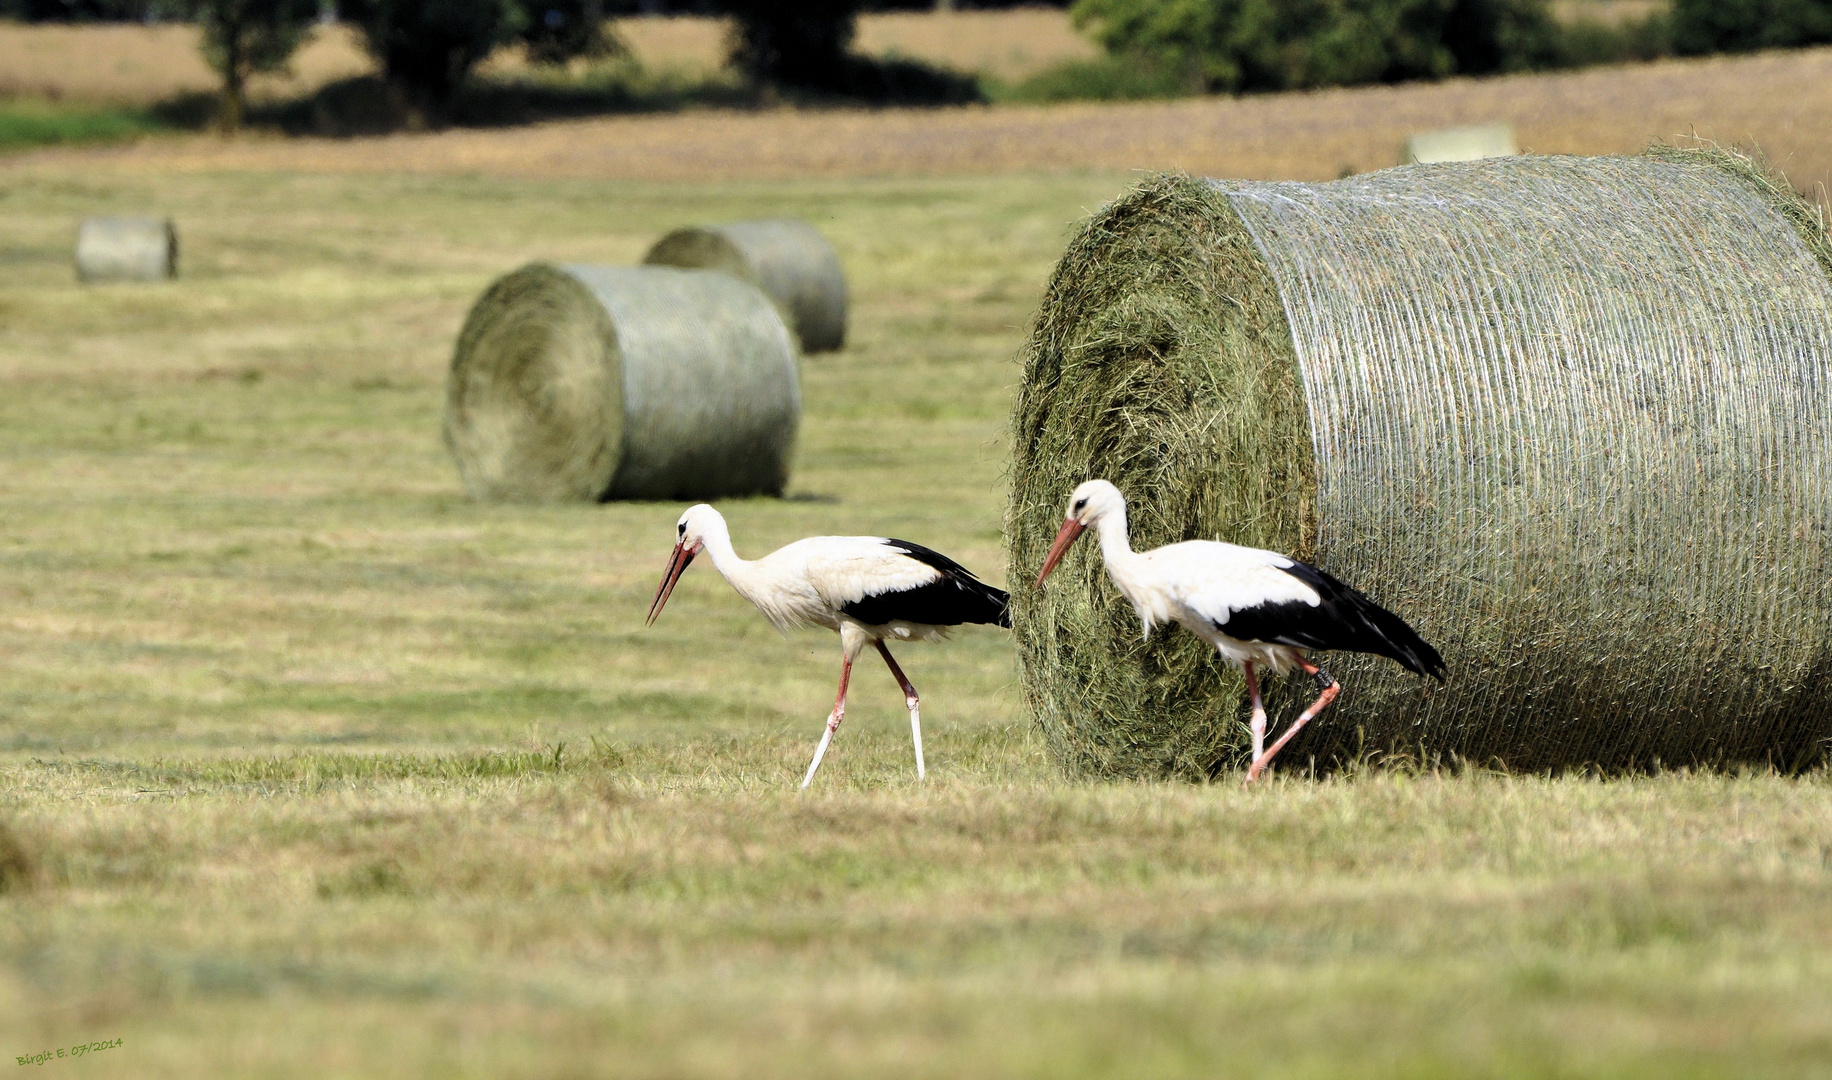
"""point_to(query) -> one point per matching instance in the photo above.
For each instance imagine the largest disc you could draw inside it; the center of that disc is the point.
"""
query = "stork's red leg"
(833, 721)
(910, 699)
(1258, 723)
(1330, 689)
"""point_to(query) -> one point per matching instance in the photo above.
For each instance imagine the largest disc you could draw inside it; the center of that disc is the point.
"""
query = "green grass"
(1105, 78)
(310, 766)
(26, 122)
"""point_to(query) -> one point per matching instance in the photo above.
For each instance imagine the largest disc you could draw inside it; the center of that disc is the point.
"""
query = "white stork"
(869, 588)
(1258, 608)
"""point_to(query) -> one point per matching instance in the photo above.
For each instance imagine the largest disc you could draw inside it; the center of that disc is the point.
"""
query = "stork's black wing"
(954, 597)
(1346, 619)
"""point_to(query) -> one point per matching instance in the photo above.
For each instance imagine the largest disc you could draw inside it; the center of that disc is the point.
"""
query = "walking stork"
(1258, 608)
(869, 588)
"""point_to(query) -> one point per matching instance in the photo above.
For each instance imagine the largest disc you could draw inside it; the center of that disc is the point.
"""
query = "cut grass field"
(315, 767)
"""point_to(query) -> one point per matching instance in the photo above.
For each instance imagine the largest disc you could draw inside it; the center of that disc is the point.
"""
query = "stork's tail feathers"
(1403, 643)
(960, 596)
(1003, 599)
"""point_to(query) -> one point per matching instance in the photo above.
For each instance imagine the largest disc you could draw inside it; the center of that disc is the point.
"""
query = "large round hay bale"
(126, 249)
(1570, 417)
(592, 382)
(786, 258)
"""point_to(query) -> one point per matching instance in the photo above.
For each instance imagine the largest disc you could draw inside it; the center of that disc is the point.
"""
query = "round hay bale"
(786, 258)
(1569, 417)
(591, 382)
(126, 249)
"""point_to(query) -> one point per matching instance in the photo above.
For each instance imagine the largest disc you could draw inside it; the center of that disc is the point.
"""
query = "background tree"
(1236, 45)
(799, 44)
(1710, 26)
(559, 31)
(426, 48)
(243, 37)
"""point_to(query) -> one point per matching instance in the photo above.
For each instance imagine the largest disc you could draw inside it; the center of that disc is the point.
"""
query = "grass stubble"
(312, 766)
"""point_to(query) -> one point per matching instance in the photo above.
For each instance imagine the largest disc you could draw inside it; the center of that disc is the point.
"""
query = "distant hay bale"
(17, 867)
(126, 249)
(1570, 417)
(1462, 144)
(587, 382)
(788, 259)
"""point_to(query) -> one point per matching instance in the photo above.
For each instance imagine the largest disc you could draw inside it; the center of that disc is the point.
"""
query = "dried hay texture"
(586, 382)
(1567, 416)
(126, 249)
(788, 259)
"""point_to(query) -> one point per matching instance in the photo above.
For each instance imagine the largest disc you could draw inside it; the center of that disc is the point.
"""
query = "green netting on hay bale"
(1567, 416)
(788, 259)
(590, 382)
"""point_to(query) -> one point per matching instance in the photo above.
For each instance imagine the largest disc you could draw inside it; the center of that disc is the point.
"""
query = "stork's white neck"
(1115, 547)
(1123, 564)
(718, 541)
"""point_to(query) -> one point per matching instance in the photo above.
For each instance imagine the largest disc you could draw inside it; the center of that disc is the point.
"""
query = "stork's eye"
(681, 528)
(1080, 505)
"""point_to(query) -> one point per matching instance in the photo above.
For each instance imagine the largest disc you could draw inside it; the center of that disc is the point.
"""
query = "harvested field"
(314, 766)
(1780, 102)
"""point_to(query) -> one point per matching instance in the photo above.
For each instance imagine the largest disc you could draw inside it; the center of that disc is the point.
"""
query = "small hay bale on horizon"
(126, 249)
(787, 258)
(1569, 417)
(579, 383)
(1462, 144)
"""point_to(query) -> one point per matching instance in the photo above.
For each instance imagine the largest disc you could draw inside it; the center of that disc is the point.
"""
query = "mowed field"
(312, 766)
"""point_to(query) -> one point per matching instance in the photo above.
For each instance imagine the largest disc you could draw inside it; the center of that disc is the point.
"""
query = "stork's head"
(689, 538)
(1091, 502)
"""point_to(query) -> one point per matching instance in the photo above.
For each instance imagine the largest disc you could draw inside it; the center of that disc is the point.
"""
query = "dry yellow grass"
(1003, 44)
(1607, 12)
(1779, 102)
(137, 65)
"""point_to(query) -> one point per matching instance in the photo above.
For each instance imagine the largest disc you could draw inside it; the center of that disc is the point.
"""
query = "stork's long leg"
(1330, 689)
(833, 720)
(915, 706)
(1258, 722)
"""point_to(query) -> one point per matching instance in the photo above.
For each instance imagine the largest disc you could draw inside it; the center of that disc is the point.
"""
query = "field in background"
(144, 65)
(1779, 103)
(316, 767)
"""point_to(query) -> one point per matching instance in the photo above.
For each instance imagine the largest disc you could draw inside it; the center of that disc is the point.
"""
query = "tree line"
(427, 48)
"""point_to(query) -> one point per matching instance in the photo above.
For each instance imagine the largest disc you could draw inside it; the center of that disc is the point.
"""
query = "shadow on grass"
(367, 105)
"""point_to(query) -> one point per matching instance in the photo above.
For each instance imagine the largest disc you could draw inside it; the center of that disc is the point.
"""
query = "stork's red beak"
(677, 562)
(1070, 530)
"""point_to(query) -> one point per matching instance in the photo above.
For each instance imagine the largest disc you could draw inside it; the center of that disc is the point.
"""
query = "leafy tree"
(557, 31)
(1233, 45)
(426, 48)
(242, 37)
(84, 10)
(1710, 26)
(790, 43)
